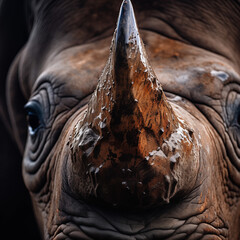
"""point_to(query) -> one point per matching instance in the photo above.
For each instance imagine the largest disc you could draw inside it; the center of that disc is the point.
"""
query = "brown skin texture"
(180, 180)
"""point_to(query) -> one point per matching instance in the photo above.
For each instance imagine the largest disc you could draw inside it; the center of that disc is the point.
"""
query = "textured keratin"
(130, 138)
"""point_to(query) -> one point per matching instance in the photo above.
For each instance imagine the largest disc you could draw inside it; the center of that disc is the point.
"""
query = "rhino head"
(119, 158)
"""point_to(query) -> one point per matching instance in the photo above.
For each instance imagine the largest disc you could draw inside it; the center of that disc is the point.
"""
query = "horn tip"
(126, 26)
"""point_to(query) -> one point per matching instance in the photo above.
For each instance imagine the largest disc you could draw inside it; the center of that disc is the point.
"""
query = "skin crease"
(200, 78)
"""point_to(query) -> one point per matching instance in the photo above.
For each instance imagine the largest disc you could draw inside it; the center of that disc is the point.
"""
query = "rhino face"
(147, 149)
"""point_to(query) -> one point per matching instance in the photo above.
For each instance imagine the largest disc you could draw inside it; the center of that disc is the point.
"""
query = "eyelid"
(233, 107)
(34, 108)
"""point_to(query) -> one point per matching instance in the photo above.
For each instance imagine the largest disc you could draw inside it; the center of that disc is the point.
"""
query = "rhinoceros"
(134, 136)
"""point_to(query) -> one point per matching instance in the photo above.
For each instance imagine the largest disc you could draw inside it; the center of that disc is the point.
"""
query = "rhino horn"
(129, 97)
(127, 119)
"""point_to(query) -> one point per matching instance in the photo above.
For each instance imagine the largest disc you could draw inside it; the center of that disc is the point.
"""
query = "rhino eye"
(238, 118)
(34, 116)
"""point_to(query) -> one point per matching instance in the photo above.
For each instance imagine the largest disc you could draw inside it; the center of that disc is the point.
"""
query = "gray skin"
(195, 54)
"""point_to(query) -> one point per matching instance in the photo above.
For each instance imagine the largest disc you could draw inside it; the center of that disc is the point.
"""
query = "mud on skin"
(133, 128)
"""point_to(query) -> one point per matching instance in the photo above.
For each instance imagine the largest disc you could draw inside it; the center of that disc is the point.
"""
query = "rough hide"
(137, 142)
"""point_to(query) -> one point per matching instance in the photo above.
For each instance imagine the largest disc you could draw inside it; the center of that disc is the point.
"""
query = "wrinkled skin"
(181, 184)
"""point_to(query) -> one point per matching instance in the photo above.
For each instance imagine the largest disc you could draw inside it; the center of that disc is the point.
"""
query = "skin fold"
(130, 130)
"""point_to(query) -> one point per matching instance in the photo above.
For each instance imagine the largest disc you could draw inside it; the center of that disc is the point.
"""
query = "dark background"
(16, 216)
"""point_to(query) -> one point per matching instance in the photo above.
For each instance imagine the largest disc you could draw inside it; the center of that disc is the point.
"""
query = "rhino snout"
(130, 146)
